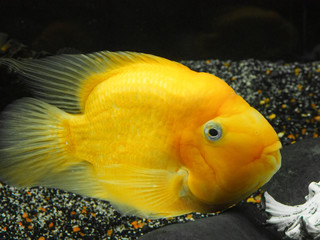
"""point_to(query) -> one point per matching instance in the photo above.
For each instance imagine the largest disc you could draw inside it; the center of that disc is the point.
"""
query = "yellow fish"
(151, 136)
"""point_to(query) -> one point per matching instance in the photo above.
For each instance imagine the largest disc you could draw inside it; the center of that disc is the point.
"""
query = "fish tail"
(34, 148)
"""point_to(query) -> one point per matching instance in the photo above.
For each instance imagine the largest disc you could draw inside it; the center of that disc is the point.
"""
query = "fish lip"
(272, 148)
(271, 153)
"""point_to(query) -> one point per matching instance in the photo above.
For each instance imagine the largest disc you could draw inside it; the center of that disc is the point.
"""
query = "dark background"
(238, 29)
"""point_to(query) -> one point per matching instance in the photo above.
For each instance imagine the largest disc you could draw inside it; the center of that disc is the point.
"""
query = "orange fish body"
(151, 136)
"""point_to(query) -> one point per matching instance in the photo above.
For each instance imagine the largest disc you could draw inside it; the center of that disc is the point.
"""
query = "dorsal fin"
(66, 80)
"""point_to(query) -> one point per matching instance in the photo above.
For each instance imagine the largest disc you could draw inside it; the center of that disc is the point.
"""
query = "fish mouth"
(271, 154)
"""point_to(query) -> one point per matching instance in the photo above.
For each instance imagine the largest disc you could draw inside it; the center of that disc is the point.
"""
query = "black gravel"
(287, 94)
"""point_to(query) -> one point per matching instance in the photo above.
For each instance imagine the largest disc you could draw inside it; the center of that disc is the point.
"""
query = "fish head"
(230, 155)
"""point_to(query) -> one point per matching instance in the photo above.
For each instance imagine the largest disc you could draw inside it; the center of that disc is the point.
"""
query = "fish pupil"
(213, 132)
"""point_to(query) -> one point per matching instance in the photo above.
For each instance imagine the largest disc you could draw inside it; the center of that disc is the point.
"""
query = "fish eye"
(212, 131)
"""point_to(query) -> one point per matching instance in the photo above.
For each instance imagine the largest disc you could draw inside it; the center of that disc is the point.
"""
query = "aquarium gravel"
(287, 94)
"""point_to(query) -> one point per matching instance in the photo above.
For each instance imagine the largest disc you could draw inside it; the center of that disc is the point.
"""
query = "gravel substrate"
(287, 94)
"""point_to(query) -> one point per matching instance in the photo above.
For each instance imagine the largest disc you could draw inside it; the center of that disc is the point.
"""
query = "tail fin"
(34, 148)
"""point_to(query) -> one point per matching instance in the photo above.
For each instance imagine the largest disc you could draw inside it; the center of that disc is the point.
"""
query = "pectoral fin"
(152, 193)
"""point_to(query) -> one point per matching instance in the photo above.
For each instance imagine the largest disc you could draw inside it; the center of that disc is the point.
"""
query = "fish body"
(151, 136)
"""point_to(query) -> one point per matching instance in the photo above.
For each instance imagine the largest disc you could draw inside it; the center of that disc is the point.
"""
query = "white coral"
(300, 220)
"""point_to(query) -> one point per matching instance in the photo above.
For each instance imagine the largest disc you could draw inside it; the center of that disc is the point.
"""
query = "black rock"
(300, 166)
(231, 225)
